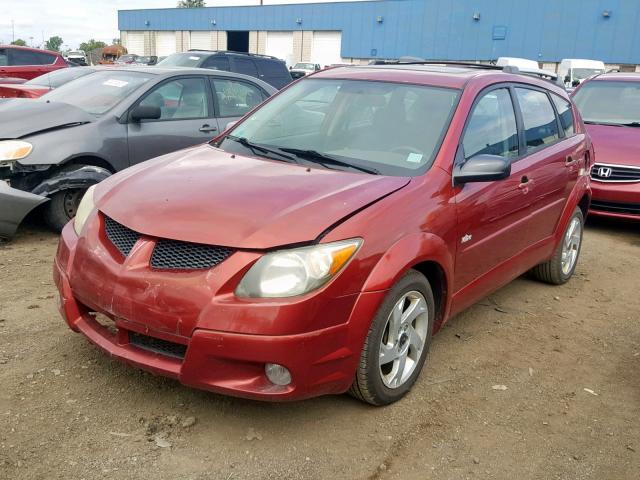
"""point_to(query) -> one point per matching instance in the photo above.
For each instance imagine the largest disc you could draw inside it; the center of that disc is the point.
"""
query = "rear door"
(552, 159)
(187, 118)
(492, 216)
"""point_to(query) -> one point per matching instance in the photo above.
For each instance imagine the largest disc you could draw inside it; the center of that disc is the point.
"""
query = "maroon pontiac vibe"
(317, 245)
(610, 106)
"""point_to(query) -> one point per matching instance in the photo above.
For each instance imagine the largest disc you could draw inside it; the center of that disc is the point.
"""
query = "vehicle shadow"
(621, 228)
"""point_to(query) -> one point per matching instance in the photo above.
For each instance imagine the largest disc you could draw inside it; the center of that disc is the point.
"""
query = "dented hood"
(21, 117)
(205, 195)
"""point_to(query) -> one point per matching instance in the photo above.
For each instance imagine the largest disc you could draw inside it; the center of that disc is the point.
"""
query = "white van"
(572, 71)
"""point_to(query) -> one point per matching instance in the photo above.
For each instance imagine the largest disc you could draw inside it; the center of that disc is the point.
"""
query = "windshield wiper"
(631, 124)
(612, 124)
(259, 149)
(326, 160)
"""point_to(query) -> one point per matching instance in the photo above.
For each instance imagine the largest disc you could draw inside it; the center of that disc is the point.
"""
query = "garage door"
(135, 43)
(325, 48)
(280, 45)
(165, 43)
(200, 41)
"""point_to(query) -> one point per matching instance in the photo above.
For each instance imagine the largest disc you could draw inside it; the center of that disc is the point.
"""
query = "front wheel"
(560, 268)
(397, 343)
(62, 207)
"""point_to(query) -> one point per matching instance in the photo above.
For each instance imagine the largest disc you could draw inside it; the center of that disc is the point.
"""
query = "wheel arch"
(426, 253)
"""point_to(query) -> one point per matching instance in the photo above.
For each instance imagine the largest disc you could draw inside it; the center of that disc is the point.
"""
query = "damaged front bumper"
(14, 206)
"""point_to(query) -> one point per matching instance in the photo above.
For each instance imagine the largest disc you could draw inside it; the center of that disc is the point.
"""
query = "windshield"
(59, 77)
(188, 59)
(304, 66)
(609, 102)
(582, 73)
(98, 93)
(391, 128)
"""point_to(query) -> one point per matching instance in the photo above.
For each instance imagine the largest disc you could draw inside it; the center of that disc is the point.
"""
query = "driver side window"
(181, 99)
(492, 127)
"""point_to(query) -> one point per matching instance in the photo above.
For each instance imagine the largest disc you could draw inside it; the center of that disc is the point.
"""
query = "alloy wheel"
(571, 245)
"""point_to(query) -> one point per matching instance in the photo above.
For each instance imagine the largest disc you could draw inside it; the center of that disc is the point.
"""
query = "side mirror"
(482, 168)
(575, 83)
(230, 125)
(567, 79)
(290, 67)
(145, 112)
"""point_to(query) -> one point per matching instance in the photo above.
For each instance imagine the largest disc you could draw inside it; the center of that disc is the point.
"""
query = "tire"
(556, 271)
(374, 380)
(62, 207)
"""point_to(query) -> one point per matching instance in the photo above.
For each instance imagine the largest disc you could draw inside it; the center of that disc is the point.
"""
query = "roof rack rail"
(235, 53)
(547, 75)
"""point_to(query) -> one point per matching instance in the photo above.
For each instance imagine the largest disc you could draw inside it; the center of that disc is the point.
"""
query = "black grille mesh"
(123, 238)
(175, 255)
(157, 345)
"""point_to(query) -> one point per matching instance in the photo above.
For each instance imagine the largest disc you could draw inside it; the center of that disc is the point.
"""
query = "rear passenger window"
(565, 113)
(540, 125)
(4, 58)
(25, 57)
(492, 127)
(246, 66)
(235, 98)
(217, 62)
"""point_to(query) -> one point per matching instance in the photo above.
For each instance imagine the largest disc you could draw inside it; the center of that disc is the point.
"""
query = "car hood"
(205, 195)
(23, 117)
(616, 145)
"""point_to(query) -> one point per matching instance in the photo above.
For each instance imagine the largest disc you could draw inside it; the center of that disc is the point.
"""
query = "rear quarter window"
(565, 113)
(245, 66)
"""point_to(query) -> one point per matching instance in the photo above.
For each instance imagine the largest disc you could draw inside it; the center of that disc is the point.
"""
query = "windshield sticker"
(115, 83)
(194, 58)
(414, 158)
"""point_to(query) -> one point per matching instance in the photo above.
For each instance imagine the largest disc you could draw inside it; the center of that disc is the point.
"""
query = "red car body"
(27, 63)
(416, 222)
(22, 91)
(616, 173)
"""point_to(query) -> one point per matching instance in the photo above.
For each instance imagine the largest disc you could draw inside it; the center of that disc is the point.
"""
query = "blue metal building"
(543, 30)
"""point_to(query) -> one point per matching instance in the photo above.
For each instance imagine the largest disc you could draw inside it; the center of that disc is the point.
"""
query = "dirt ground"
(568, 356)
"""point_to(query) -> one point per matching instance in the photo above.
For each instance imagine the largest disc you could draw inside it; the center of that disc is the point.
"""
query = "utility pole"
(13, 31)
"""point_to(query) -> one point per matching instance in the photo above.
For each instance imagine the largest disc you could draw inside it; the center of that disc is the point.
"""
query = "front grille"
(615, 207)
(121, 237)
(604, 172)
(175, 255)
(156, 345)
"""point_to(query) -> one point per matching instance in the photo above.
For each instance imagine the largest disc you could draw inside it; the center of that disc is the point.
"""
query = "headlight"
(84, 209)
(11, 150)
(288, 273)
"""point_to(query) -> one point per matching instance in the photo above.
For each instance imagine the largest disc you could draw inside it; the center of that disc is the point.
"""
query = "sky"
(77, 21)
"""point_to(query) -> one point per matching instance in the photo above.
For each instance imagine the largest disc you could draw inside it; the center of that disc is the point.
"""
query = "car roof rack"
(546, 75)
(234, 53)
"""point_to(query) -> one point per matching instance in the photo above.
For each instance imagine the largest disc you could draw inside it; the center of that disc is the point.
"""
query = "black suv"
(268, 69)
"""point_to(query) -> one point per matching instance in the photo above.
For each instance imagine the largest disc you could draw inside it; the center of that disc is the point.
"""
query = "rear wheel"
(62, 207)
(560, 268)
(397, 343)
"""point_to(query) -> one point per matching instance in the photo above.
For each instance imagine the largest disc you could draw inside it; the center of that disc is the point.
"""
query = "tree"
(19, 42)
(91, 45)
(54, 43)
(116, 41)
(191, 4)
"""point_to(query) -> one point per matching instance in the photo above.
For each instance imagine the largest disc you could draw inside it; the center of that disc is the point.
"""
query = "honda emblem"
(604, 172)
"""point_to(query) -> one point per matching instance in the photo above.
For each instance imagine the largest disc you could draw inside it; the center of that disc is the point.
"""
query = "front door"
(187, 119)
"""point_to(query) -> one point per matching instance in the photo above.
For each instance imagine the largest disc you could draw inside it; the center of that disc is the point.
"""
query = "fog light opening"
(277, 374)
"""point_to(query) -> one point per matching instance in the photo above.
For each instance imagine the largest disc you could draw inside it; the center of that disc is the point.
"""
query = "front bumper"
(14, 206)
(615, 200)
(321, 361)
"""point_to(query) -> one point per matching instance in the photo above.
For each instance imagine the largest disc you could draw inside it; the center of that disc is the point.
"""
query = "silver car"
(55, 147)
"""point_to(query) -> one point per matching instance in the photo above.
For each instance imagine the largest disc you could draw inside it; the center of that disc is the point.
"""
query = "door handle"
(569, 160)
(207, 128)
(525, 184)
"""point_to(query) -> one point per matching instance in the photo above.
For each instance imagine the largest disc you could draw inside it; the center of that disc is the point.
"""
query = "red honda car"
(315, 246)
(27, 63)
(610, 106)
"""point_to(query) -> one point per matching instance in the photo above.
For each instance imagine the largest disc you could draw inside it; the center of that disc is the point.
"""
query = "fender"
(403, 255)
(580, 189)
(81, 177)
